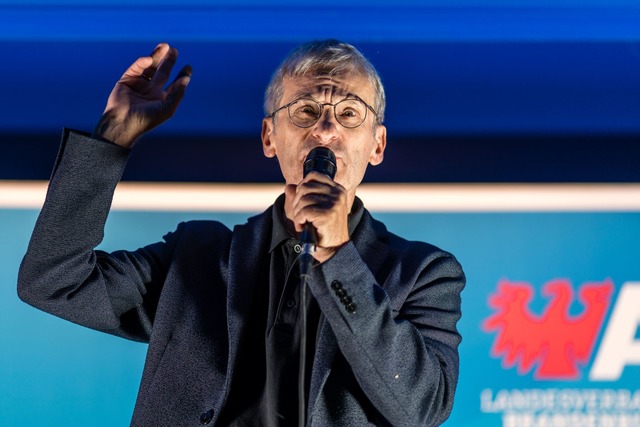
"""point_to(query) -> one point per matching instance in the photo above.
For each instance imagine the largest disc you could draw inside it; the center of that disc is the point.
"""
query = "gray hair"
(324, 58)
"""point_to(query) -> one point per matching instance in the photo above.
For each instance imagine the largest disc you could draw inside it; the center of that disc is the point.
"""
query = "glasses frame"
(335, 114)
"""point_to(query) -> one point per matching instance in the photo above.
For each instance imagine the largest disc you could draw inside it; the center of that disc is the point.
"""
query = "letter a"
(619, 346)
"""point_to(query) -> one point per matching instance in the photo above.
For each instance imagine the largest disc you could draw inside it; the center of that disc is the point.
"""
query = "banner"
(549, 325)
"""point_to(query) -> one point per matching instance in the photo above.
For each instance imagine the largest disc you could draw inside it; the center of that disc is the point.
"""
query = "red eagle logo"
(554, 340)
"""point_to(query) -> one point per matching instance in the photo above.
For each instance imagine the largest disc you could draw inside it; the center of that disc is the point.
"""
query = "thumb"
(137, 68)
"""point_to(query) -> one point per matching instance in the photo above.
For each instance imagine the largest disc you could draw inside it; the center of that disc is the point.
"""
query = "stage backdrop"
(550, 311)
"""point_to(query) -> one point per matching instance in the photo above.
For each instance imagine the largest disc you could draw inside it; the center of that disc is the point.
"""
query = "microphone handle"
(309, 234)
(309, 238)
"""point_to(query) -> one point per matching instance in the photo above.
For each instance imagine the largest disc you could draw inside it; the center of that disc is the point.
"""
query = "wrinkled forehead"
(328, 88)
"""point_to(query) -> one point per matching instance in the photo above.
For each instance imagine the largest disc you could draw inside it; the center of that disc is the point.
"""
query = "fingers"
(154, 68)
(164, 60)
(317, 197)
(177, 88)
(138, 102)
(322, 202)
(145, 66)
(182, 79)
(156, 56)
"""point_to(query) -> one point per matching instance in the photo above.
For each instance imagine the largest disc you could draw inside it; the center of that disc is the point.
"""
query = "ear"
(268, 146)
(377, 154)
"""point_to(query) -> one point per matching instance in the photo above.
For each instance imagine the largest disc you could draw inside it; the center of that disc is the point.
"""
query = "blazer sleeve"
(399, 335)
(62, 273)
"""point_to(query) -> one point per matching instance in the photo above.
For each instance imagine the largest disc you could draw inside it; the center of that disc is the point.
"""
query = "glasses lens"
(304, 112)
(351, 112)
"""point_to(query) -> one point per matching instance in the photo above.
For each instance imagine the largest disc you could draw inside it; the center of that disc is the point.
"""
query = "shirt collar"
(281, 231)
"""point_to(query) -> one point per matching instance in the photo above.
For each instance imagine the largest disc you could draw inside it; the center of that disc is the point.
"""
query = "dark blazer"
(389, 358)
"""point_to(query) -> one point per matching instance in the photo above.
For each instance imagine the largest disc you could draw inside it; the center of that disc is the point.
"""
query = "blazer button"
(335, 285)
(345, 299)
(206, 417)
(351, 308)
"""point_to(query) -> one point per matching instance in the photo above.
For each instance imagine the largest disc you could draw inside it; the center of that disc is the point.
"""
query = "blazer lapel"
(246, 257)
(368, 237)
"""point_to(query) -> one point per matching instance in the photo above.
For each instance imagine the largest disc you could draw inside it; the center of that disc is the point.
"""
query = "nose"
(326, 128)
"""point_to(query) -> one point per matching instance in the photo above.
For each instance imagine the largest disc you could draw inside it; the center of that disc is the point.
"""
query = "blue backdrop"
(450, 67)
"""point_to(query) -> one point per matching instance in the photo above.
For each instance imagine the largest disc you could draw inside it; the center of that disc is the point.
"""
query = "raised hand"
(139, 102)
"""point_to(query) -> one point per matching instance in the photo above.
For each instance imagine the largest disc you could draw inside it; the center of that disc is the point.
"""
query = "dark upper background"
(478, 91)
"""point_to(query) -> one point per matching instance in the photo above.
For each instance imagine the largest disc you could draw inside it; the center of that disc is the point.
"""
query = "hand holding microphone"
(321, 160)
(320, 206)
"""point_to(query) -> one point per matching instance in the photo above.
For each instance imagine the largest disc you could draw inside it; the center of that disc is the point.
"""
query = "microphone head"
(320, 159)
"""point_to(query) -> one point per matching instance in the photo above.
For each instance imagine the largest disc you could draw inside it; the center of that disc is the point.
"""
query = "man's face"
(354, 148)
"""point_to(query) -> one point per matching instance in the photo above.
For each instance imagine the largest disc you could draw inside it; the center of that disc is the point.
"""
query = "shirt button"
(290, 303)
(297, 249)
(206, 417)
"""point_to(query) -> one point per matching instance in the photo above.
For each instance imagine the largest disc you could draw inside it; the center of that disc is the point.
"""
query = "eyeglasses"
(305, 112)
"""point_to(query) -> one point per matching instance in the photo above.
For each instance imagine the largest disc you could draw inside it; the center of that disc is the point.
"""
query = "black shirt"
(264, 390)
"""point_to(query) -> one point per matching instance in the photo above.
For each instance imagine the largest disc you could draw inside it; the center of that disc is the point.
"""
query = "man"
(219, 307)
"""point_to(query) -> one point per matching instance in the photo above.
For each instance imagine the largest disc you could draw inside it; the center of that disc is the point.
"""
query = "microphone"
(319, 159)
